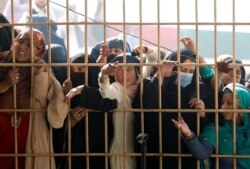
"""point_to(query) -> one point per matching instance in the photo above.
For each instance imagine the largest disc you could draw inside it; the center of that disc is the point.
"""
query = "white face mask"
(186, 79)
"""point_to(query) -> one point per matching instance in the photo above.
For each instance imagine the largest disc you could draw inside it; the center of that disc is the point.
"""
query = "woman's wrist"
(189, 136)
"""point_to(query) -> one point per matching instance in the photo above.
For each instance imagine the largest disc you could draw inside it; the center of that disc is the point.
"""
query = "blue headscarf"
(113, 42)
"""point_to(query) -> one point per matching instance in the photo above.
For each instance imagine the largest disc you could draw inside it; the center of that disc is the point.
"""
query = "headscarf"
(5, 35)
(77, 78)
(226, 131)
(38, 40)
(113, 42)
(93, 71)
(131, 90)
(55, 39)
(185, 54)
(129, 59)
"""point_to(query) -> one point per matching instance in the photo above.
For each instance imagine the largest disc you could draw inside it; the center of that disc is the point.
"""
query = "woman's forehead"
(187, 64)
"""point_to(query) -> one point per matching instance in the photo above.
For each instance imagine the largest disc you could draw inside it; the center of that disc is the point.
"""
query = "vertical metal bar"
(216, 87)
(14, 88)
(235, 114)
(197, 69)
(106, 113)
(160, 89)
(88, 154)
(125, 84)
(179, 87)
(49, 68)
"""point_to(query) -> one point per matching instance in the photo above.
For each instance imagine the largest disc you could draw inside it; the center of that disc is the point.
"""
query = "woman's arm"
(11, 78)
(91, 98)
(200, 149)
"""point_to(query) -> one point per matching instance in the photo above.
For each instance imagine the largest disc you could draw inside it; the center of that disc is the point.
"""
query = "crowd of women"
(91, 119)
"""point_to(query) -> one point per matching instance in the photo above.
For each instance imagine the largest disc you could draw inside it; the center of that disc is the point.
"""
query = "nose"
(224, 106)
(23, 46)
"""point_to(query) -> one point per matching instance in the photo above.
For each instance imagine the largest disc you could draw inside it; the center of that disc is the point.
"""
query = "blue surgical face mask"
(186, 79)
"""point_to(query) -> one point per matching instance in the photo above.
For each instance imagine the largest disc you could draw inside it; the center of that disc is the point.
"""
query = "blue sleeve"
(200, 149)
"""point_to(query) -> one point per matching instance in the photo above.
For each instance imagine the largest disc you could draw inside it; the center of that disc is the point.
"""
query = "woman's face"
(130, 76)
(23, 49)
(229, 77)
(78, 69)
(115, 51)
(187, 68)
(227, 103)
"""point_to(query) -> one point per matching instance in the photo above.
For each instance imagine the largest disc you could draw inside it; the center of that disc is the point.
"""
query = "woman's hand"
(199, 105)
(188, 43)
(182, 126)
(110, 69)
(167, 68)
(104, 50)
(12, 77)
(73, 92)
(41, 68)
(145, 49)
(77, 114)
(67, 86)
(224, 67)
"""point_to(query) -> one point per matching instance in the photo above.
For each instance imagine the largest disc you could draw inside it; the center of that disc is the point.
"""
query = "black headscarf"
(184, 55)
(5, 35)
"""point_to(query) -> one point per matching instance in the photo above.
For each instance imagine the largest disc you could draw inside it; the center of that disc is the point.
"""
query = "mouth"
(20, 53)
(226, 115)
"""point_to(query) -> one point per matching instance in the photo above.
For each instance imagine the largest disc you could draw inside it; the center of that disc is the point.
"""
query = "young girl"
(123, 90)
(203, 147)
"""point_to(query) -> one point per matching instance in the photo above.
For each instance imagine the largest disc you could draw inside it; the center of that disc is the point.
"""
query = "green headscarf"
(226, 131)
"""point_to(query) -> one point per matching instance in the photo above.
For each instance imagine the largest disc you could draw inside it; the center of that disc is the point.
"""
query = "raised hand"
(143, 48)
(224, 66)
(199, 105)
(73, 92)
(110, 69)
(188, 43)
(67, 86)
(104, 50)
(182, 126)
(167, 68)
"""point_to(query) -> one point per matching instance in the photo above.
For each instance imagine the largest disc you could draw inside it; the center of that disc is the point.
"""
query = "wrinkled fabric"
(39, 134)
(118, 146)
(45, 94)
